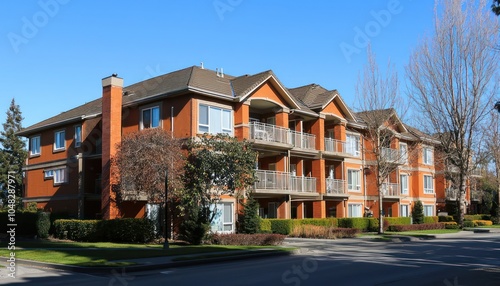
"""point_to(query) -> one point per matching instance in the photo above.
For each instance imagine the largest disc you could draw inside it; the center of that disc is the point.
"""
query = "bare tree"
(492, 142)
(378, 98)
(452, 76)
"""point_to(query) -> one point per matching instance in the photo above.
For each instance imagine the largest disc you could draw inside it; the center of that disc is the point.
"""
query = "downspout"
(172, 121)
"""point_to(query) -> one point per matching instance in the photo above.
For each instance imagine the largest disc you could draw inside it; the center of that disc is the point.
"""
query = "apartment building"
(311, 164)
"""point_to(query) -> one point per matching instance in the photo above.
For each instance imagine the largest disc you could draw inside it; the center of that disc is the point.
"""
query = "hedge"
(477, 217)
(360, 223)
(265, 226)
(331, 221)
(247, 239)
(480, 222)
(116, 230)
(43, 224)
(325, 232)
(450, 225)
(412, 227)
(448, 218)
(431, 219)
(397, 220)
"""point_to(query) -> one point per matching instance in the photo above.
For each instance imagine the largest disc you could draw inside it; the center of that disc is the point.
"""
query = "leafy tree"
(217, 165)
(250, 220)
(418, 213)
(13, 153)
(452, 78)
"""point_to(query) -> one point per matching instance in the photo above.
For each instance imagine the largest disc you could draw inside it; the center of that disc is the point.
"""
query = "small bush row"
(431, 219)
(413, 227)
(247, 239)
(116, 230)
(447, 218)
(477, 217)
(326, 232)
(450, 225)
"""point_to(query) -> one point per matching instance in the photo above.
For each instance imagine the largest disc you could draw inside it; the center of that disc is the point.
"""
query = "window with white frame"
(58, 175)
(354, 210)
(150, 117)
(213, 120)
(35, 145)
(428, 210)
(403, 180)
(78, 135)
(428, 155)
(223, 220)
(404, 211)
(59, 140)
(352, 144)
(428, 184)
(403, 149)
(353, 180)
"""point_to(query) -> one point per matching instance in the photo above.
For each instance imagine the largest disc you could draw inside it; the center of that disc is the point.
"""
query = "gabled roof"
(421, 135)
(379, 116)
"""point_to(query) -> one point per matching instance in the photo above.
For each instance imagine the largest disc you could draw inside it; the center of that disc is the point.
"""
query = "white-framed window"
(150, 117)
(224, 217)
(59, 140)
(404, 211)
(403, 181)
(353, 180)
(428, 184)
(352, 144)
(428, 210)
(403, 149)
(58, 175)
(354, 210)
(428, 153)
(78, 135)
(35, 145)
(213, 120)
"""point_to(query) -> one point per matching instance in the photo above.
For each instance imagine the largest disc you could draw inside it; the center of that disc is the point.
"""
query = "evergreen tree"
(13, 151)
(418, 213)
(250, 220)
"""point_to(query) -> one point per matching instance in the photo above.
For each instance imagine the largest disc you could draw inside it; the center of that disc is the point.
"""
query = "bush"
(447, 218)
(468, 223)
(265, 226)
(283, 226)
(418, 213)
(397, 220)
(413, 227)
(326, 232)
(116, 230)
(450, 225)
(481, 222)
(360, 223)
(249, 219)
(247, 239)
(194, 227)
(477, 217)
(331, 221)
(431, 219)
(43, 224)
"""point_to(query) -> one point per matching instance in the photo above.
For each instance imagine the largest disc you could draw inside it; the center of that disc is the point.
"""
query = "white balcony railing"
(334, 145)
(391, 155)
(390, 189)
(282, 181)
(269, 133)
(303, 140)
(335, 187)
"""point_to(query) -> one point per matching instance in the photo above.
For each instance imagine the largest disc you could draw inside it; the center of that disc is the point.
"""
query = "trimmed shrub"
(397, 220)
(283, 226)
(413, 227)
(480, 222)
(331, 221)
(360, 223)
(477, 217)
(468, 223)
(431, 219)
(265, 226)
(43, 224)
(77, 230)
(418, 213)
(247, 239)
(325, 232)
(450, 225)
(447, 218)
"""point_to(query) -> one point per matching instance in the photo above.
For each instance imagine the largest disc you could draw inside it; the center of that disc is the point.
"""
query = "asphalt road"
(470, 260)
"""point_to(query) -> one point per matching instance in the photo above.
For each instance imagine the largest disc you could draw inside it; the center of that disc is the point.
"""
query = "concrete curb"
(145, 267)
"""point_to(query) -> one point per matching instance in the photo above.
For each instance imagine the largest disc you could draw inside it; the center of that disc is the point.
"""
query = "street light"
(167, 228)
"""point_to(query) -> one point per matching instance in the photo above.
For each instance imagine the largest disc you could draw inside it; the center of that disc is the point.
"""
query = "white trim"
(358, 186)
(426, 190)
(150, 107)
(78, 143)
(213, 105)
(39, 145)
(55, 140)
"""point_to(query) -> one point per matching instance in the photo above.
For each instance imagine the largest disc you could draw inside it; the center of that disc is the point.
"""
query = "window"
(59, 175)
(428, 185)
(214, 120)
(35, 145)
(78, 135)
(60, 140)
(272, 210)
(223, 220)
(353, 180)
(352, 144)
(404, 211)
(428, 152)
(428, 210)
(403, 180)
(354, 210)
(403, 149)
(150, 117)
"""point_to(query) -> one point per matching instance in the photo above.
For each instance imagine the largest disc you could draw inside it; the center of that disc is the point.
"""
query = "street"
(472, 259)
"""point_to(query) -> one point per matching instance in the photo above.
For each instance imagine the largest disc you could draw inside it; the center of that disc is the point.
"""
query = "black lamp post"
(167, 226)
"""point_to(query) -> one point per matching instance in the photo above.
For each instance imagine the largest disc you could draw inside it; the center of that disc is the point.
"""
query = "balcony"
(390, 190)
(392, 156)
(303, 140)
(335, 187)
(451, 194)
(269, 133)
(274, 181)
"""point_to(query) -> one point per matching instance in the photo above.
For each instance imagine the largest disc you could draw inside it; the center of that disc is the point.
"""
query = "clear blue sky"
(54, 53)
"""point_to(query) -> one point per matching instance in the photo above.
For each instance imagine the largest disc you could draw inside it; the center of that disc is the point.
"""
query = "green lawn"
(106, 254)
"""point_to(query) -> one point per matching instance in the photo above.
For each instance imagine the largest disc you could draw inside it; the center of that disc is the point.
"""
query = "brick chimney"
(112, 88)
